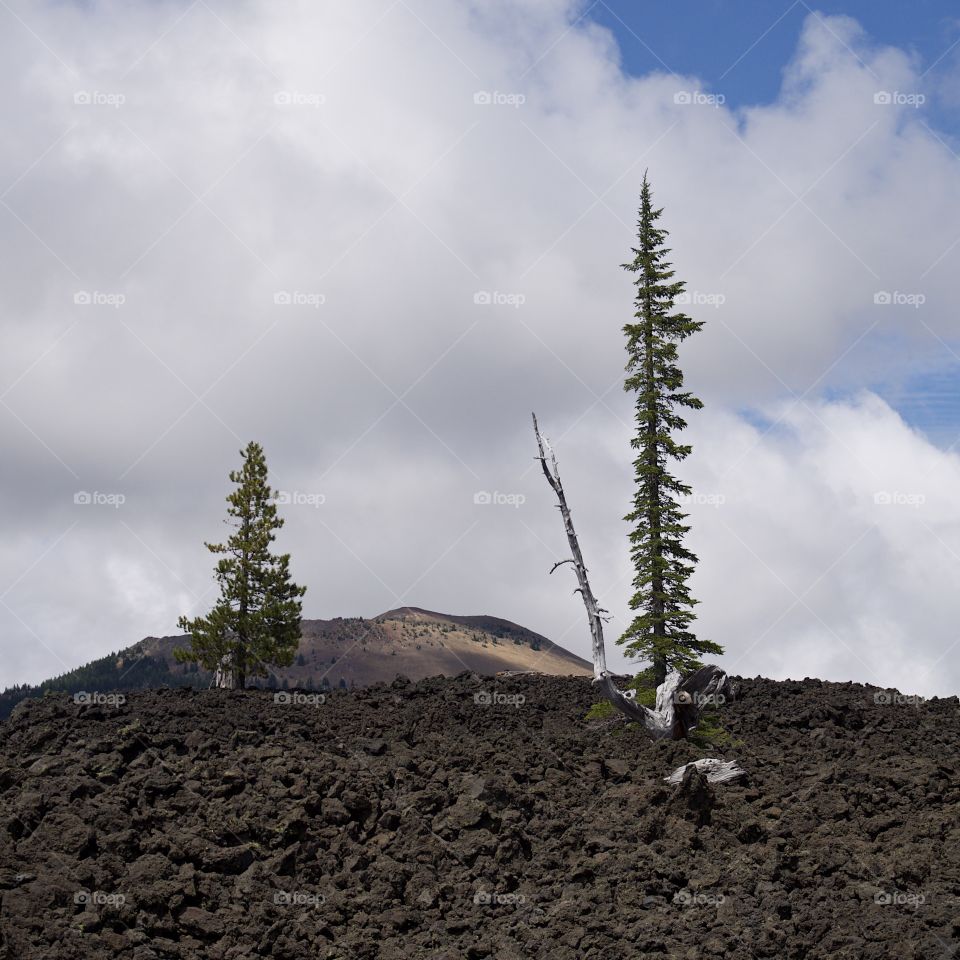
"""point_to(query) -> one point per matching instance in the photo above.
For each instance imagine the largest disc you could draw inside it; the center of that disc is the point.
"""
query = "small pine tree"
(660, 632)
(256, 621)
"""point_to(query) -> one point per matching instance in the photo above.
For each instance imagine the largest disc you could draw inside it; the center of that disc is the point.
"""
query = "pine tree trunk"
(659, 670)
(240, 663)
(653, 498)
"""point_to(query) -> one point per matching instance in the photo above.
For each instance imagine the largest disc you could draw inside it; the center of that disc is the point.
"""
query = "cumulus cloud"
(374, 236)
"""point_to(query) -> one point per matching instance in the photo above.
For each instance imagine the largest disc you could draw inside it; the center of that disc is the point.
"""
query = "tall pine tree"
(660, 631)
(256, 622)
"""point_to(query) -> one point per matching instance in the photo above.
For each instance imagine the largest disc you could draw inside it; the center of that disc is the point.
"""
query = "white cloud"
(378, 183)
(838, 544)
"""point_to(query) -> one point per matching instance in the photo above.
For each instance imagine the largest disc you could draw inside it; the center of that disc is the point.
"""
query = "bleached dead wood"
(659, 722)
(716, 771)
(223, 676)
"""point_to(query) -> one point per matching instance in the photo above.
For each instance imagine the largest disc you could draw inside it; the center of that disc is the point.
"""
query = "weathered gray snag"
(678, 701)
(224, 677)
(716, 771)
(658, 722)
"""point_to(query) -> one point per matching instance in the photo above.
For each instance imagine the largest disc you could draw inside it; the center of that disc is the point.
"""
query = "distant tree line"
(105, 675)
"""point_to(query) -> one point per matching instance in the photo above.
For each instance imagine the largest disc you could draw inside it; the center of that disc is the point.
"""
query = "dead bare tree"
(223, 676)
(678, 700)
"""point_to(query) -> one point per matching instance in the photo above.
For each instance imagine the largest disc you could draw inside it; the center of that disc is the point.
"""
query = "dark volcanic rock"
(420, 820)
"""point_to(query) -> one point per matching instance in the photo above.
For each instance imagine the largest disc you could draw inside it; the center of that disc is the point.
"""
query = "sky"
(740, 49)
(375, 236)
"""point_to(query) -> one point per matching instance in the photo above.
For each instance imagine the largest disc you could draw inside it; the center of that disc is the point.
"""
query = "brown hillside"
(409, 641)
